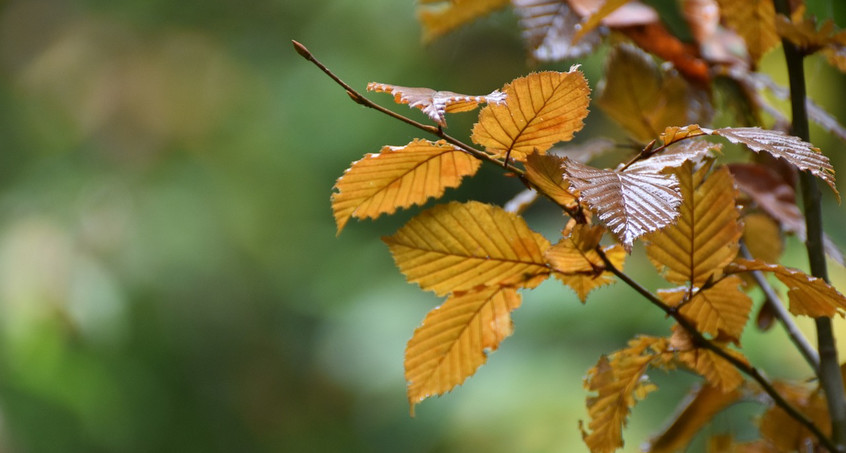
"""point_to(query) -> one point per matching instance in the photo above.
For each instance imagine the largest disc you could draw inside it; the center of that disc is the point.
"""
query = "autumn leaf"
(715, 369)
(436, 104)
(675, 156)
(782, 430)
(586, 151)
(705, 237)
(548, 27)
(455, 338)
(439, 17)
(630, 204)
(462, 246)
(399, 177)
(595, 18)
(642, 97)
(762, 237)
(754, 21)
(792, 149)
(700, 406)
(810, 296)
(544, 172)
(657, 40)
(540, 110)
(674, 134)
(577, 264)
(719, 309)
(618, 383)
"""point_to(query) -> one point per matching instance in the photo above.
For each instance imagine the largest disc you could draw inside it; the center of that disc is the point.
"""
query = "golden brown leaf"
(548, 27)
(808, 295)
(640, 96)
(439, 17)
(705, 237)
(595, 18)
(399, 177)
(673, 134)
(716, 370)
(700, 406)
(762, 237)
(436, 104)
(725, 443)
(618, 382)
(792, 149)
(540, 110)
(657, 40)
(544, 172)
(629, 203)
(754, 21)
(782, 430)
(721, 308)
(576, 263)
(629, 14)
(454, 340)
(462, 246)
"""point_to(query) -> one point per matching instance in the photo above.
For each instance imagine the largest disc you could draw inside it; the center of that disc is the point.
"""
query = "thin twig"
(700, 340)
(781, 313)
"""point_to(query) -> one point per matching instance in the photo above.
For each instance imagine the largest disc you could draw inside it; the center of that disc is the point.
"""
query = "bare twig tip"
(301, 49)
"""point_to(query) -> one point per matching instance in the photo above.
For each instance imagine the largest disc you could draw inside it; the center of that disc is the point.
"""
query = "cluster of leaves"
(672, 196)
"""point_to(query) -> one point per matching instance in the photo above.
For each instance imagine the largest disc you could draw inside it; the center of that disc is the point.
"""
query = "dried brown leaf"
(715, 369)
(754, 20)
(439, 17)
(435, 104)
(548, 27)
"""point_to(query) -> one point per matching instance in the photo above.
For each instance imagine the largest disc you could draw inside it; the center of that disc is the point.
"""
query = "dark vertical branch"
(830, 377)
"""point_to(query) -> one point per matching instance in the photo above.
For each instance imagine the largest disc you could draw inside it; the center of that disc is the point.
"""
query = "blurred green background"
(170, 279)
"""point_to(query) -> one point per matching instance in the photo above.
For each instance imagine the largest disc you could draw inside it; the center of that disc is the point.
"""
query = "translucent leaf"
(640, 96)
(762, 237)
(792, 149)
(783, 431)
(716, 370)
(630, 204)
(618, 383)
(399, 177)
(719, 309)
(454, 340)
(673, 134)
(705, 237)
(808, 295)
(804, 33)
(540, 110)
(439, 17)
(548, 29)
(544, 172)
(461, 246)
(700, 406)
(576, 263)
(754, 21)
(433, 103)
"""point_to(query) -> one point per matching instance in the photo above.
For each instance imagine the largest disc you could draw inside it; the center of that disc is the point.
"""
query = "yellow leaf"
(540, 110)
(454, 340)
(810, 296)
(754, 21)
(673, 134)
(462, 246)
(576, 263)
(642, 97)
(544, 172)
(715, 369)
(399, 177)
(439, 17)
(705, 237)
(762, 237)
(783, 431)
(618, 381)
(721, 308)
(700, 406)
(433, 103)
(725, 443)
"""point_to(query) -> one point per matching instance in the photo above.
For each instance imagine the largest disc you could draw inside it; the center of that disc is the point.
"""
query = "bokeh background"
(170, 277)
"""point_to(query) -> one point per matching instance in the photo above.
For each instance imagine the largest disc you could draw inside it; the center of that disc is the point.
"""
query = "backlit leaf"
(762, 237)
(576, 263)
(719, 309)
(754, 20)
(715, 369)
(705, 237)
(439, 17)
(462, 246)
(540, 110)
(433, 103)
(544, 172)
(548, 29)
(700, 406)
(630, 204)
(792, 149)
(455, 338)
(642, 97)
(808, 295)
(399, 177)
(673, 134)
(618, 383)
(782, 430)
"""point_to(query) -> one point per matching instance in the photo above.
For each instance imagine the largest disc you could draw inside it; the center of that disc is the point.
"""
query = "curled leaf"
(462, 246)
(399, 177)
(548, 27)
(454, 340)
(436, 104)
(540, 110)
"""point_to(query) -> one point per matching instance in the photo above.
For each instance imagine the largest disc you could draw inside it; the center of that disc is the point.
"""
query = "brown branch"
(700, 340)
